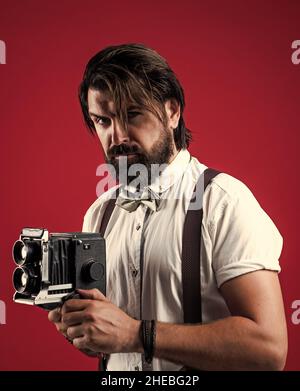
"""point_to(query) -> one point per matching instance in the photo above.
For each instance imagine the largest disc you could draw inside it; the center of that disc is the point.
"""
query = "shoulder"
(231, 207)
(100, 201)
(223, 190)
(95, 212)
(229, 204)
(225, 187)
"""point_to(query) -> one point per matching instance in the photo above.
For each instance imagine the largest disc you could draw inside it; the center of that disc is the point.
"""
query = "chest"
(146, 240)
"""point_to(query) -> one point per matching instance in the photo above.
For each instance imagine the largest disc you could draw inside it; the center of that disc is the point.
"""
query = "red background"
(242, 91)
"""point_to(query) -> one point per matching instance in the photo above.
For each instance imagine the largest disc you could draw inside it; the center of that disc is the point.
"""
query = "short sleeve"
(244, 238)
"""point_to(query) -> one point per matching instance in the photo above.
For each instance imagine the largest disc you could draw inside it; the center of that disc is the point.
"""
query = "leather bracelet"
(148, 331)
(153, 333)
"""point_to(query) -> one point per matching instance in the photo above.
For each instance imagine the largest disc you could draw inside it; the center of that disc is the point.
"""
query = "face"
(146, 141)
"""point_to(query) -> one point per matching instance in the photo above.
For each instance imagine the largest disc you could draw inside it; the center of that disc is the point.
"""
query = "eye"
(132, 114)
(101, 120)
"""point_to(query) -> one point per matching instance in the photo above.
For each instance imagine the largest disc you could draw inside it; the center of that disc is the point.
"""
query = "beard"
(142, 168)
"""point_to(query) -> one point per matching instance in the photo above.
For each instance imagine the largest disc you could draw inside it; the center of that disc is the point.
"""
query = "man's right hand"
(55, 317)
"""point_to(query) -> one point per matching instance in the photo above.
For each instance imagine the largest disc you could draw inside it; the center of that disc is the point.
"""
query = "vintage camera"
(52, 266)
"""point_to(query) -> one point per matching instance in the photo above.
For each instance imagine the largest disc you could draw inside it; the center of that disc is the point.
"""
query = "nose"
(119, 135)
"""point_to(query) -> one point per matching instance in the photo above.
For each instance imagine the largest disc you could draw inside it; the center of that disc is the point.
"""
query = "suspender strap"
(191, 247)
(105, 219)
(108, 212)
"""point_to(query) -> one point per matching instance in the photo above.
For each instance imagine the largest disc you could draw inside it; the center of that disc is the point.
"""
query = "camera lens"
(24, 280)
(93, 271)
(27, 251)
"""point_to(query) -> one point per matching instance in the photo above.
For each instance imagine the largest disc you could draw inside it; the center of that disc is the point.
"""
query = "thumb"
(92, 294)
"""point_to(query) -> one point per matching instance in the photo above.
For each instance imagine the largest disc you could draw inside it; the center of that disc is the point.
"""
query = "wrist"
(148, 336)
(137, 343)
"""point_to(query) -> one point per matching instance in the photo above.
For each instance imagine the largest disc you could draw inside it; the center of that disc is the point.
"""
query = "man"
(134, 103)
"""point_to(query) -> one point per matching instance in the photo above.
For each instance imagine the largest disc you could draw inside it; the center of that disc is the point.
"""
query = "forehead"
(100, 101)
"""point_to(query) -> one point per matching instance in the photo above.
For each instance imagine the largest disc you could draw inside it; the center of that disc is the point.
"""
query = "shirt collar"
(169, 175)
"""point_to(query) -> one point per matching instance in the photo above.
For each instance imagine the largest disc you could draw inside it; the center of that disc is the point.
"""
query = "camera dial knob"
(94, 271)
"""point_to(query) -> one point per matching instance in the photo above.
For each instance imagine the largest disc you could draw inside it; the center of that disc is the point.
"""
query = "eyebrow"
(101, 115)
(112, 114)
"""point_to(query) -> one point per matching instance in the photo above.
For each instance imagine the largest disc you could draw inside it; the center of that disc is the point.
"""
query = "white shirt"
(237, 237)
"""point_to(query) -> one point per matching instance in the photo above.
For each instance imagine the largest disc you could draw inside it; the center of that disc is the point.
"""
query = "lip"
(128, 155)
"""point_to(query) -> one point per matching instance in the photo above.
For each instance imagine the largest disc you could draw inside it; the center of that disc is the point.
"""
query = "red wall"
(243, 98)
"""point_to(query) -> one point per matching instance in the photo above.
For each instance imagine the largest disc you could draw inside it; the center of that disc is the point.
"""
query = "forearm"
(233, 343)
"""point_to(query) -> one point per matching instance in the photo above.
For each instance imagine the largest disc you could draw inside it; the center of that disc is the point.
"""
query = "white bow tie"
(132, 202)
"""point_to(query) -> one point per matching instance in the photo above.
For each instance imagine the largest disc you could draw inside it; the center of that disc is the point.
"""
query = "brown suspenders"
(107, 213)
(191, 247)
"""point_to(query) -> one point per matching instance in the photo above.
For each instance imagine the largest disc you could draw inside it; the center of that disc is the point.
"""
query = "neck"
(173, 156)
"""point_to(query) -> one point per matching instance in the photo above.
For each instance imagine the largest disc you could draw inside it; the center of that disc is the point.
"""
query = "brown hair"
(137, 74)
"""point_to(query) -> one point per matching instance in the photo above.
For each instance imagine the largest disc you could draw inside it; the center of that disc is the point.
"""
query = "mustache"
(122, 149)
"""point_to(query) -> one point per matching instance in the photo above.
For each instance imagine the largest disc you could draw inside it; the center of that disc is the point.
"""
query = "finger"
(64, 332)
(55, 315)
(90, 353)
(81, 343)
(62, 328)
(75, 331)
(73, 305)
(74, 318)
(92, 294)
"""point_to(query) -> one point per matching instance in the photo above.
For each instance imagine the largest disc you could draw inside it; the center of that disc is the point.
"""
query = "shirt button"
(134, 273)
(138, 227)
(136, 368)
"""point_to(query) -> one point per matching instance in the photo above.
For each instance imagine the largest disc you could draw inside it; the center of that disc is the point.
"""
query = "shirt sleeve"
(244, 238)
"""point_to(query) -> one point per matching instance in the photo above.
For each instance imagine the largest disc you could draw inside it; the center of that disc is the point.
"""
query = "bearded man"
(183, 292)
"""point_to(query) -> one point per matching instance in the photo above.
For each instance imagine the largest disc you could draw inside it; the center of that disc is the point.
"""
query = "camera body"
(52, 266)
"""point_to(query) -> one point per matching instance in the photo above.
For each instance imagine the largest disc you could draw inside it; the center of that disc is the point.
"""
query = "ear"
(172, 108)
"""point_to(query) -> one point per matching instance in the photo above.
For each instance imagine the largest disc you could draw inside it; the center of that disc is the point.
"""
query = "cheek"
(103, 140)
(101, 136)
(149, 138)
(147, 135)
